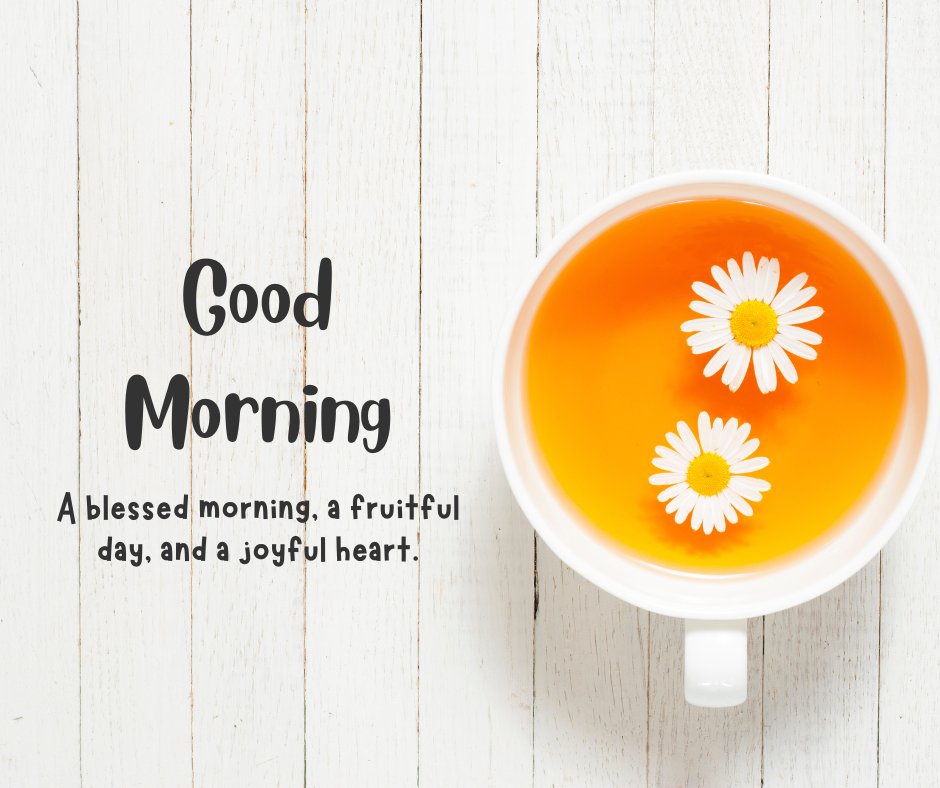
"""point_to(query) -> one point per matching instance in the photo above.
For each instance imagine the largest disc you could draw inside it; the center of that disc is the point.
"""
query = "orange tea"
(609, 372)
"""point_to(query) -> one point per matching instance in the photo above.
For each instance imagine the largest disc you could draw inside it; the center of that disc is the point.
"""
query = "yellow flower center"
(753, 323)
(708, 474)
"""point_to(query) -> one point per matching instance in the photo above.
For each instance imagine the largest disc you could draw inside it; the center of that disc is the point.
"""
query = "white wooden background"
(428, 148)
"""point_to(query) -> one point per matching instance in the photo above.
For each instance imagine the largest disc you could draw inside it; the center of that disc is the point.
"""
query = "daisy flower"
(707, 476)
(746, 318)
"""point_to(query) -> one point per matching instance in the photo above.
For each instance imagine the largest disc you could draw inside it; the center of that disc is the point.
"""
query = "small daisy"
(747, 318)
(707, 477)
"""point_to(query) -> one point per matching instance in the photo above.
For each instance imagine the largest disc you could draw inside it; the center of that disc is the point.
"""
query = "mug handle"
(715, 662)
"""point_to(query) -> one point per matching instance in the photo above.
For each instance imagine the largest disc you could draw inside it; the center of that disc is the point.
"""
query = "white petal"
(703, 349)
(764, 370)
(761, 280)
(803, 315)
(726, 508)
(704, 324)
(740, 372)
(712, 294)
(727, 436)
(795, 347)
(793, 301)
(802, 334)
(738, 502)
(663, 479)
(771, 279)
(718, 518)
(670, 493)
(744, 491)
(737, 278)
(686, 501)
(782, 360)
(720, 358)
(707, 341)
(734, 373)
(750, 275)
(705, 431)
(710, 310)
(675, 465)
(742, 452)
(703, 337)
(663, 451)
(750, 483)
(688, 437)
(738, 441)
(720, 522)
(790, 289)
(697, 512)
(725, 283)
(708, 516)
(679, 445)
(751, 465)
(738, 353)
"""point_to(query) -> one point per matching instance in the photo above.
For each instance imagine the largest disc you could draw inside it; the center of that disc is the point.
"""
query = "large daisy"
(745, 318)
(707, 476)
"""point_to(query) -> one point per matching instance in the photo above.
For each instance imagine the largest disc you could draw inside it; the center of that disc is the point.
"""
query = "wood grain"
(134, 231)
(39, 614)
(363, 182)
(478, 235)
(910, 635)
(248, 212)
(827, 132)
(594, 137)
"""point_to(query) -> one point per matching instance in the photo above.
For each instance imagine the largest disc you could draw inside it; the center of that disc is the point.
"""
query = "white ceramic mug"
(716, 608)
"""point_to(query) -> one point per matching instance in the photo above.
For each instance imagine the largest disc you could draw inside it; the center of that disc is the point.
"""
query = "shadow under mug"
(716, 607)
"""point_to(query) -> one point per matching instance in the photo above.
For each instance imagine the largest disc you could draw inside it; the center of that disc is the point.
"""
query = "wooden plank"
(134, 225)
(827, 131)
(594, 137)
(39, 730)
(363, 181)
(710, 110)
(910, 596)
(710, 100)
(248, 213)
(478, 220)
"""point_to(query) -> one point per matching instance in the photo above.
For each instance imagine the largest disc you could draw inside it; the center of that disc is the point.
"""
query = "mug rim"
(680, 603)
